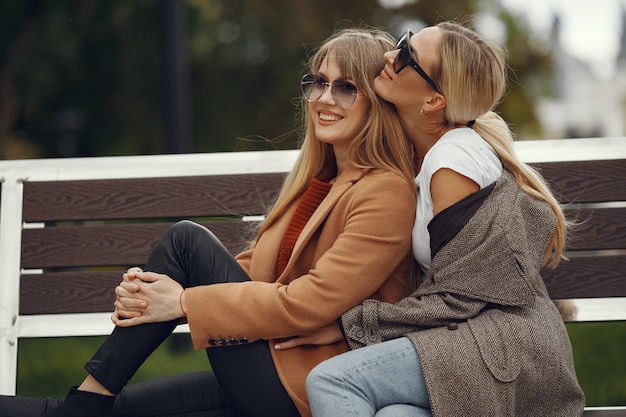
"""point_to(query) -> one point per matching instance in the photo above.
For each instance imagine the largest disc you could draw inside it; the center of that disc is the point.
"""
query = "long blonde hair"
(471, 74)
(380, 144)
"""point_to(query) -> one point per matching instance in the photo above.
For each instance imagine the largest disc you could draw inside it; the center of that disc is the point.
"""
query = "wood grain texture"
(146, 198)
(597, 229)
(112, 244)
(587, 277)
(92, 291)
(69, 292)
(586, 181)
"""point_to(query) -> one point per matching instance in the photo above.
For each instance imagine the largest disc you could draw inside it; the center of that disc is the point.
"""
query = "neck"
(342, 159)
(424, 132)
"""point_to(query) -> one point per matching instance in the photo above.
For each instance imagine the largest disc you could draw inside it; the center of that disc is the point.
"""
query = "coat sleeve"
(244, 258)
(374, 238)
(374, 321)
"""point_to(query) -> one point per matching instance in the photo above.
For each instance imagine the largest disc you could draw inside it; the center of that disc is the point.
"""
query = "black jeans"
(193, 394)
(243, 382)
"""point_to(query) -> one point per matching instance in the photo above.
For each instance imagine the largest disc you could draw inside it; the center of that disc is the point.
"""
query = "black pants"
(243, 382)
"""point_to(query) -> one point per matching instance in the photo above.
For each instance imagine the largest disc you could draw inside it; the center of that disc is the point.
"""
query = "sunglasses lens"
(312, 87)
(345, 93)
(404, 55)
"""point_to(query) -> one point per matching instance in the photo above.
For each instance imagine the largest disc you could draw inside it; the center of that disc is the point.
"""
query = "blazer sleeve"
(374, 239)
(244, 258)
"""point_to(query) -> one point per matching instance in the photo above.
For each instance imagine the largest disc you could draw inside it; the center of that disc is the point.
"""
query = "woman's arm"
(448, 187)
(373, 321)
(368, 237)
(360, 244)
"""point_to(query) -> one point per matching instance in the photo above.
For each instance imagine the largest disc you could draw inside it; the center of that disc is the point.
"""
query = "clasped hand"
(146, 297)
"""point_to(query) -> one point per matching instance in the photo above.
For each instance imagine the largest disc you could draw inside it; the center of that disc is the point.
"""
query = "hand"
(323, 336)
(146, 297)
(129, 302)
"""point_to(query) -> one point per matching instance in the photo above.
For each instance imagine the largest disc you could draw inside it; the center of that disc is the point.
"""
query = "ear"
(435, 102)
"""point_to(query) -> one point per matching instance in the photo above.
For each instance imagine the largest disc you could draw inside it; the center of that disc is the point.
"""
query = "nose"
(390, 56)
(327, 94)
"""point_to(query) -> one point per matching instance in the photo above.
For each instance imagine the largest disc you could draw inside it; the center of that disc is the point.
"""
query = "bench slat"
(91, 291)
(150, 197)
(586, 181)
(69, 292)
(597, 229)
(112, 244)
(115, 244)
(586, 277)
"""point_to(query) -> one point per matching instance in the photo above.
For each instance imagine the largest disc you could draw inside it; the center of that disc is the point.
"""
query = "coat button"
(453, 326)
(213, 341)
(360, 334)
(373, 338)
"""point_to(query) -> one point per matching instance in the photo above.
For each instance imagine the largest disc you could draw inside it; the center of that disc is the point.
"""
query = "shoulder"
(379, 178)
(385, 187)
(467, 153)
(458, 144)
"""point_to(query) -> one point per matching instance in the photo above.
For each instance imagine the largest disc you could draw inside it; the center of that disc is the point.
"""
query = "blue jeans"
(382, 380)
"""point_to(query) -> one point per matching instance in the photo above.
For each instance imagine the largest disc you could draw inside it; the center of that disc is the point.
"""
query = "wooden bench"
(70, 227)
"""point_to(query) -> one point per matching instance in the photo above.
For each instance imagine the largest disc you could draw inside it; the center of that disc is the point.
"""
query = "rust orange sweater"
(312, 198)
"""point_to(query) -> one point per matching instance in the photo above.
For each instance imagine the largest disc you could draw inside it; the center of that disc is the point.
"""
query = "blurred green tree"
(87, 78)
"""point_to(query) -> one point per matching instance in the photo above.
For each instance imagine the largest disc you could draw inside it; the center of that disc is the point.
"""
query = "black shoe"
(84, 404)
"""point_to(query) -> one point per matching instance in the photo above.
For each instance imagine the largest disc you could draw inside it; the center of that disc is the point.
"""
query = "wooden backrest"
(95, 229)
(594, 194)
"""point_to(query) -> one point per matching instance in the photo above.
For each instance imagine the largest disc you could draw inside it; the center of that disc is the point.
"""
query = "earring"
(423, 113)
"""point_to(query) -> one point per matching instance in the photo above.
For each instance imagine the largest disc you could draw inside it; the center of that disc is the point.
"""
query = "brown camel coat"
(355, 246)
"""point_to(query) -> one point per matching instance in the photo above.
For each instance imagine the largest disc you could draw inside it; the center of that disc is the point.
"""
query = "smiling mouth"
(329, 117)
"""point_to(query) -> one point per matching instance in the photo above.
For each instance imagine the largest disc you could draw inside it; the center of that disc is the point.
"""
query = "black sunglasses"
(344, 92)
(405, 58)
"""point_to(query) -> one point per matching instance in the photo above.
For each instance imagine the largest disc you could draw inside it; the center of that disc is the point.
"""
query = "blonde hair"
(380, 143)
(471, 74)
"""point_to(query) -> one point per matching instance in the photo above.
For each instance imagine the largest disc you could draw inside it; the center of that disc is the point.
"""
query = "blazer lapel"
(344, 182)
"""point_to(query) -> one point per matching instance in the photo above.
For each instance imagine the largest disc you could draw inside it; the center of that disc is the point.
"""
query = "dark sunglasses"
(344, 92)
(405, 58)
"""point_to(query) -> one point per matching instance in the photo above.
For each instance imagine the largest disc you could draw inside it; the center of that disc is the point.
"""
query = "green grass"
(48, 367)
(600, 361)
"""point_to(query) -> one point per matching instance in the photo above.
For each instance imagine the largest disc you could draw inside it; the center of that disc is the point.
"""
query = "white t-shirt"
(461, 150)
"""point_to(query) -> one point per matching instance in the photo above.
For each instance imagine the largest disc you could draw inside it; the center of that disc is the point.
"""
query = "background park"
(135, 77)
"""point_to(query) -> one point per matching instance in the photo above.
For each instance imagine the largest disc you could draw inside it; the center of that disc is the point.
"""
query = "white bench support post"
(10, 238)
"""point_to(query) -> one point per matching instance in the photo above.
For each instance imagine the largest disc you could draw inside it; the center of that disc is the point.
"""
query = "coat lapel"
(344, 182)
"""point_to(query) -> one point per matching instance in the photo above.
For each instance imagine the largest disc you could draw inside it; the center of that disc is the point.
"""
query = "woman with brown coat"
(339, 233)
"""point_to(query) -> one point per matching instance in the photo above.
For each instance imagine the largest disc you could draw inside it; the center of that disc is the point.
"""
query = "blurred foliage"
(599, 358)
(86, 78)
(46, 369)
